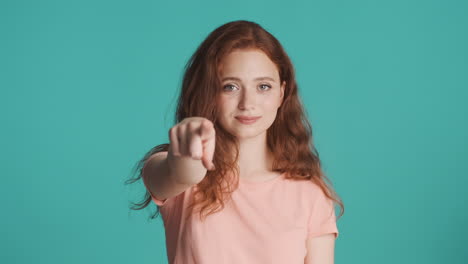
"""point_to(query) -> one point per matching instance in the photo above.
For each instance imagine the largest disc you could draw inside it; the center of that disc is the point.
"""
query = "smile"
(247, 121)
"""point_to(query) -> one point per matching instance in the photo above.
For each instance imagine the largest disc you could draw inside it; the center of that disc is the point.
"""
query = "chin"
(250, 132)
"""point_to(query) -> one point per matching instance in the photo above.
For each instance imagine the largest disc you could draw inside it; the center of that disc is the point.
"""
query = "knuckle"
(190, 126)
(180, 132)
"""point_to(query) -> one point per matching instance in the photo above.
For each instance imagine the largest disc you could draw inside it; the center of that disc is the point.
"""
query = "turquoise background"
(87, 87)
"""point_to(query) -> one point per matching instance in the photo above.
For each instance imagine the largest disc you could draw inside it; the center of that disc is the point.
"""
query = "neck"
(254, 157)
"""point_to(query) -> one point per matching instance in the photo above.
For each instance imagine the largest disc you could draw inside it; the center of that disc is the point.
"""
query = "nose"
(247, 99)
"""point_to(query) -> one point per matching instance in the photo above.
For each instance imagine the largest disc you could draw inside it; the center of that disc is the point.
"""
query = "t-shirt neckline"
(250, 182)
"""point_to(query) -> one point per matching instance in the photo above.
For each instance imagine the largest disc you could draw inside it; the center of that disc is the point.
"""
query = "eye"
(265, 85)
(228, 85)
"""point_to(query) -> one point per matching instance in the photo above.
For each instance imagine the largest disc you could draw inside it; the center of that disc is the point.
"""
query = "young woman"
(240, 180)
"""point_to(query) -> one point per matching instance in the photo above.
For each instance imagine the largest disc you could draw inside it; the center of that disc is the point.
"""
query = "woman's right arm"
(191, 150)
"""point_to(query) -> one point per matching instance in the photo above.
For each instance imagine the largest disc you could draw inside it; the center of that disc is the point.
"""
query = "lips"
(248, 118)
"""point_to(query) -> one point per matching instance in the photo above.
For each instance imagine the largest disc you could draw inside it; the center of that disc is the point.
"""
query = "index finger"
(206, 131)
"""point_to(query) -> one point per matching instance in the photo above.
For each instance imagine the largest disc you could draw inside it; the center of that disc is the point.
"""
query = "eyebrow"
(256, 79)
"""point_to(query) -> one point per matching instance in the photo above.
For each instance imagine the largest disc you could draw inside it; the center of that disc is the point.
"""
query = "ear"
(283, 87)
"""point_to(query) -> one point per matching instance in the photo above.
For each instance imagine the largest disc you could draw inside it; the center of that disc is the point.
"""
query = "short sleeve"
(157, 201)
(322, 218)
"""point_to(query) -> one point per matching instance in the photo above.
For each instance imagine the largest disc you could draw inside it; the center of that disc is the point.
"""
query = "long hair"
(289, 138)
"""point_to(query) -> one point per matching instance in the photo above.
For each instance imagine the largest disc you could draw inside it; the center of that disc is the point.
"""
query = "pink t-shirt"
(265, 222)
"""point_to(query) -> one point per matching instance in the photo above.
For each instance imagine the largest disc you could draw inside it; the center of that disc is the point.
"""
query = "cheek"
(226, 105)
(276, 101)
(271, 103)
(225, 110)
(270, 109)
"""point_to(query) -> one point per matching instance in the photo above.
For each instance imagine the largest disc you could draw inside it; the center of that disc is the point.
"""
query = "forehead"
(248, 64)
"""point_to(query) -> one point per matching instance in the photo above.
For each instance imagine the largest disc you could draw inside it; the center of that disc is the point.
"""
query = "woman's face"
(250, 86)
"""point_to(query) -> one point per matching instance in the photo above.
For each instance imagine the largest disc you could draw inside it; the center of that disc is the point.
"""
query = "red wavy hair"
(289, 138)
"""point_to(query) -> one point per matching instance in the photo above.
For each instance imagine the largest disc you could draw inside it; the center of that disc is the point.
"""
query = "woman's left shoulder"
(303, 185)
(307, 187)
